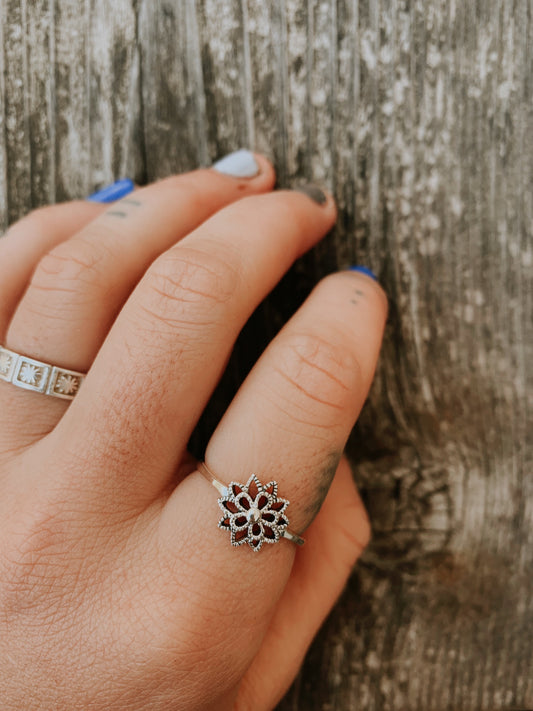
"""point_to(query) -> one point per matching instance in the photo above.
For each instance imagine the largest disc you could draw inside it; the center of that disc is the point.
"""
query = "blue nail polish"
(364, 270)
(113, 192)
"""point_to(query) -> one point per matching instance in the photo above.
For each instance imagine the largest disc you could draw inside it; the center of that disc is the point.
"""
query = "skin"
(117, 589)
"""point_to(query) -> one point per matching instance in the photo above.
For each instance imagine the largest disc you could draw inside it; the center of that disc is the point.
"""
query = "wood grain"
(418, 114)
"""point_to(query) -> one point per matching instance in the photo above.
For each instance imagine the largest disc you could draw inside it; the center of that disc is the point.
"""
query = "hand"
(117, 589)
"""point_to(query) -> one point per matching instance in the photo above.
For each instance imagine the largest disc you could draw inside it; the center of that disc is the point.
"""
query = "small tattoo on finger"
(324, 479)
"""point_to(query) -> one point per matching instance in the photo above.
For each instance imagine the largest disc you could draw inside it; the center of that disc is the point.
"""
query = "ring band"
(253, 513)
(39, 377)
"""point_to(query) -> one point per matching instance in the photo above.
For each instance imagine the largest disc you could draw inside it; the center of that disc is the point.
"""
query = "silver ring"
(39, 377)
(253, 513)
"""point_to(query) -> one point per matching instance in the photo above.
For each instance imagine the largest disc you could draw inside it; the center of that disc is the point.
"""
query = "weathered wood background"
(418, 114)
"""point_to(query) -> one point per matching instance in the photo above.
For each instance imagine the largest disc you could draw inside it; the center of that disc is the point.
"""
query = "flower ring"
(253, 513)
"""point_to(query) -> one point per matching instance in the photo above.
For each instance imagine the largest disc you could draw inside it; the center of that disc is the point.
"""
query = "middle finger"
(167, 349)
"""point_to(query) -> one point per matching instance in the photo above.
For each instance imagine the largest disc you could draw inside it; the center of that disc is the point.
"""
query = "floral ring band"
(253, 513)
(31, 374)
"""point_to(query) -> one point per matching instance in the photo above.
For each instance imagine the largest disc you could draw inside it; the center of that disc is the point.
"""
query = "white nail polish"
(240, 164)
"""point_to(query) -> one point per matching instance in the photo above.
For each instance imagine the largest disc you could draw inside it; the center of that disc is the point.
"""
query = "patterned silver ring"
(253, 513)
(39, 377)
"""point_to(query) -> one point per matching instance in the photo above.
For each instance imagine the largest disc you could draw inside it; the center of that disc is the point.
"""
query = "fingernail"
(113, 192)
(314, 192)
(240, 164)
(364, 270)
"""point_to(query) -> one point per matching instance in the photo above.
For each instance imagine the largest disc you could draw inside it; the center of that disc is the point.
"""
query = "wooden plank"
(226, 71)
(435, 616)
(16, 129)
(116, 145)
(72, 90)
(40, 107)
(3, 130)
(173, 94)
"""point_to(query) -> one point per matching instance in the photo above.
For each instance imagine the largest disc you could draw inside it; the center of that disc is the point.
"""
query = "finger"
(289, 422)
(79, 287)
(166, 352)
(28, 240)
(311, 384)
(335, 540)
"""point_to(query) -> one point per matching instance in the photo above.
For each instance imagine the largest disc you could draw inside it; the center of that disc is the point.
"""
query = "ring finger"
(289, 422)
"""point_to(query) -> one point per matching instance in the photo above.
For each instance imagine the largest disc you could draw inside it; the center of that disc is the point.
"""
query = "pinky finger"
(28, 240)
(334, 542)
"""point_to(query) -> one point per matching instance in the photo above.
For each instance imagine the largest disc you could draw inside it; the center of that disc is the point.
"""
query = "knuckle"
(190, 285)
(324, 371)
(71, 266)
